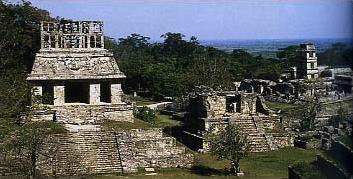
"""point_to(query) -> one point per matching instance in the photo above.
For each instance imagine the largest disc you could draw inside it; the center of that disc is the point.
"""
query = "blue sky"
(213, 19)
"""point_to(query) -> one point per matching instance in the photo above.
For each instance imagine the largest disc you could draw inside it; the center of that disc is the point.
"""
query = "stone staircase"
(94, 151)
(85, 152)
(255, 133)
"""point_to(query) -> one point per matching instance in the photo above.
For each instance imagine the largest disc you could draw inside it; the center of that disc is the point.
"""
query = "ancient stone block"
(116, 93)
(94, 91)
(59, 95)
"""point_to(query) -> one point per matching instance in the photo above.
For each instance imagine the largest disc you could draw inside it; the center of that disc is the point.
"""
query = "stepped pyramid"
(76, 82)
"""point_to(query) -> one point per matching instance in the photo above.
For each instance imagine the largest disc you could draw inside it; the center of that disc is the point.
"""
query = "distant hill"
(269, 47)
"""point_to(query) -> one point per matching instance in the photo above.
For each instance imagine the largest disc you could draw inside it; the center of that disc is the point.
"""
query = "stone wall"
(214, 125)
(216, 105)
(282, 140)
(248, 103)
(149, 148)
(84, 114)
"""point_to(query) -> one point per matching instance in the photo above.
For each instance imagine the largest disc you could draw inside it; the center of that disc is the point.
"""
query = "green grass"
(140, 101)
(164, 121)
(274, 164)
(284, 107)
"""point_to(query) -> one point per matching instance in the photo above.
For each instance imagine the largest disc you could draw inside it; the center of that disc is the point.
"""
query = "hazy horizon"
(213, 20)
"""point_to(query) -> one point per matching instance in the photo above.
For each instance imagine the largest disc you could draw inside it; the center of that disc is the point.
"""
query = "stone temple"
(211, 111)
(75, 76)
(78, 83)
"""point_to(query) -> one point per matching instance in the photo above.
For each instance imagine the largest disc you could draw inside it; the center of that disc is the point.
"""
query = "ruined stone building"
(307, 64)
(308, 68)
(212, 111)
(75, 77)
(298, 83)
(76, 82)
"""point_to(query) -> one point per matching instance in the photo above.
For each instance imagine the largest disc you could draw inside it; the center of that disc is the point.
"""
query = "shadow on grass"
(207, 171)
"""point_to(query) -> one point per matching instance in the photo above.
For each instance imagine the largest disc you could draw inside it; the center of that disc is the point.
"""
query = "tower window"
(311, 54)
(92, 42)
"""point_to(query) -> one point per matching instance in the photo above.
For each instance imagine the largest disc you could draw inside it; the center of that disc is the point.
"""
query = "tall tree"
(20, 40)
(231, 143)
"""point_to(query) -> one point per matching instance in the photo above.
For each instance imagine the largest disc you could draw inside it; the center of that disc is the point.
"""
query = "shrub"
(145, 114)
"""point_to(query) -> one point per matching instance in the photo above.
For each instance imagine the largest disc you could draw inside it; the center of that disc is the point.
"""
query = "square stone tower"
(75, 79)
(308, 69)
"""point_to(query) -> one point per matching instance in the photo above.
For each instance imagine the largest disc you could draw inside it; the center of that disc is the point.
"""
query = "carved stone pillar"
(59, 94)
(94, 93)
(116, 93)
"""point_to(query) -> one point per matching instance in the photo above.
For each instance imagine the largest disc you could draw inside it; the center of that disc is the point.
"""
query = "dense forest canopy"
(170, 68)
(20, 40)
(177, 65)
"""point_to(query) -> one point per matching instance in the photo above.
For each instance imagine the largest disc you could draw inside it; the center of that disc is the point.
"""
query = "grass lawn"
(274, 164)
(268, 165)
(164, 121)
(284, 107)
(140, 101)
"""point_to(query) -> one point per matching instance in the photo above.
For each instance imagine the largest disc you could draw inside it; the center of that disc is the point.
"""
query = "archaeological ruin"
(302, 81)
(77, 83)
(75, 78)
(211, 111)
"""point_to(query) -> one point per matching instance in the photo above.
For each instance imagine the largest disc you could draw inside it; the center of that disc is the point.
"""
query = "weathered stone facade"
(149, 148)
(75, 78)
(212, 111)
(84, 114)
(308, 69)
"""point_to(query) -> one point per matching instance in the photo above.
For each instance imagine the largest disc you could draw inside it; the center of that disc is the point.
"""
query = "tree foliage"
(145, 114)
(339, 54)
(20, 143)
(22, 146)
(231, 143)
(290, 56)
(175, 66)
(20, 40)
(312, 106)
